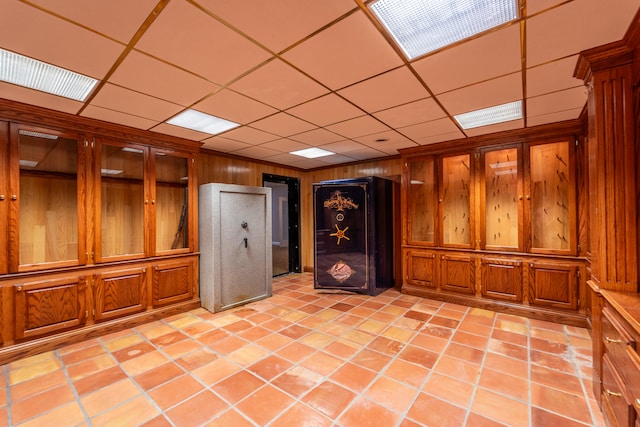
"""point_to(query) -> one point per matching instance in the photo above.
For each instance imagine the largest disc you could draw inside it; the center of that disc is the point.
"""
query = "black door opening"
(285, 200)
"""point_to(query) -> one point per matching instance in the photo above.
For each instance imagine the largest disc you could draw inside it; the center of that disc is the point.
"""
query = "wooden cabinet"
(97, 230)
(48, 306)
(618, 358)
(501, 222)
(120, 293)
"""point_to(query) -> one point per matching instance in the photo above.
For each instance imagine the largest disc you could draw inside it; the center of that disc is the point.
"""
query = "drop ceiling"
(298, 73)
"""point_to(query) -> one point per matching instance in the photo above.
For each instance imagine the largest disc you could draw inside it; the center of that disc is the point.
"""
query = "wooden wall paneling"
(582, 178)
(4, 196)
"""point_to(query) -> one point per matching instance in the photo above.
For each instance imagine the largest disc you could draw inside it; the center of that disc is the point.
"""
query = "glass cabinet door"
(171, 201)
(455, 200)
(121, 200)
(47, 194)
(421, 201)
(502, 192)
(551, 197)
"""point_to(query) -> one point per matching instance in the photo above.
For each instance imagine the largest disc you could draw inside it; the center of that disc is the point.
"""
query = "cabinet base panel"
(14, 352)
(539, 313)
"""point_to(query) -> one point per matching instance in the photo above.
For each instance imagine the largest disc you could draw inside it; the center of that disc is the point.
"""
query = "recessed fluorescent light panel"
(23, 71)
(420, 26)
(312, 153)
(195, 120)
(490, 116)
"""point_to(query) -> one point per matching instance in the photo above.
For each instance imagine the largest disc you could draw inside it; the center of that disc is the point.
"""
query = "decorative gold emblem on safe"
(337, 201)
(341, 271)
(340, 234)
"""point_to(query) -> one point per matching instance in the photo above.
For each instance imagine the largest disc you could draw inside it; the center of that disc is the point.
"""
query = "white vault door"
(235, 256)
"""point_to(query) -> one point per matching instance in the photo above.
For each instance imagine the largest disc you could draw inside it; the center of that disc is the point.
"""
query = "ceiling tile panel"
(117, 117)
(428, 129)
(34, 97)
(284, 145)
(557, 101)
(326, 110)
(366, 154)
(360, 126)
(279, 85)
(551, 77)
(278, 24)
(499, 127)
(335, 159)
(105, 17)
(345, 146)
(347, 52)
(413, 113)
(224, 145)
(388, 141)
(189, 38)
(233, 106)
(282, 124)
(145, 74)
(31, 32)
(576, 26)
(449, 136)
(250, 135)
(257, 152)
(536, 6)
(472, 62)
(486, 94)
(180, 132)
(317, 137)
(387, 90)
(554, 117)
(127, 101)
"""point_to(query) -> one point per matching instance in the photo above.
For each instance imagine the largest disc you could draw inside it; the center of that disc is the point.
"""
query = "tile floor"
(304, 358)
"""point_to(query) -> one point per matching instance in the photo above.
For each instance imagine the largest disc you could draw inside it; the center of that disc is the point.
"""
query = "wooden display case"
(98, 231)
(505, 231)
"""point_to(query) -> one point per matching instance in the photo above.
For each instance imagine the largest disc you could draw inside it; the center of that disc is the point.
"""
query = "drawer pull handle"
(612, 341)
(613, 393)
(638, 403)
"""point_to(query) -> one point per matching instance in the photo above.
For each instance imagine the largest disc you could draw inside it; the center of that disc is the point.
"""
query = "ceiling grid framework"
(296, 74)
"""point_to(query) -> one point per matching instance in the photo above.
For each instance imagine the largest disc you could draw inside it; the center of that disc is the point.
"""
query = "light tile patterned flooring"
(305, 358)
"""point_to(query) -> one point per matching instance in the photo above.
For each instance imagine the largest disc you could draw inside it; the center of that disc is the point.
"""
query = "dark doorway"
(285, 201)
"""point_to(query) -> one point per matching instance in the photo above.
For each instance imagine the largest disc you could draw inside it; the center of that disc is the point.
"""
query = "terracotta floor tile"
(265, 404)
(180, 348)
(37, 385)
(168, 339)
(471, 340)
(459, 369)
(555, 379)
(514, 367)
(371, 359)
(431, 411)
(363, 412)
(419, 356)
(29, 371)
(297, 381)
(449, 389)
(66, 415)
(508, 349)
(316, 340)
(322, 363)
(270, 367)
(385, 345)
(391, 394)
(508, 411)
(436, 331)
(83, 354)
(552, 361)
(91, 366)
(215, 371)
(497, 381)
(175, 391)
(510, 337)
(213, 337)
(132, 352)
(159, 421)
(197, 410)
(158, 375)
(41, 403)
(406, 372)
(230, 418)
(444, 322)
(144, 363)
(133, 412)
(274, 341)
(548, 346)
(464, 352)
(295, 352)
(359, 337)
(353, 377)
(248, 355)
(542, 418)
(398, 334)
(99, 380)
(117, 342)
(299, 415)
(227, 345)
(567, 404)
(109, 396)
(342, 348)
(475, 420)
(372, 326)
(329, 398)
(237, 386)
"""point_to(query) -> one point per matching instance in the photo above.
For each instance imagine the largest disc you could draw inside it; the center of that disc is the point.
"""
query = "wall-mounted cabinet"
(95, 230)
(495, 223)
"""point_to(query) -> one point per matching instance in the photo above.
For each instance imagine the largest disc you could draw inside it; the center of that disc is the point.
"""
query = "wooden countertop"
(625, 303)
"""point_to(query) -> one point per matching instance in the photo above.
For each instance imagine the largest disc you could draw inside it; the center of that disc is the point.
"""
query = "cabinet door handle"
(14, 197)
(612, 393)
(612, 341)
(528, 197)
(1, 196)
(638, 403)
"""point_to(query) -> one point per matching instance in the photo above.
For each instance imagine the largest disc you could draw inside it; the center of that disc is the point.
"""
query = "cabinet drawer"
(614, 396)
(621, 347)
